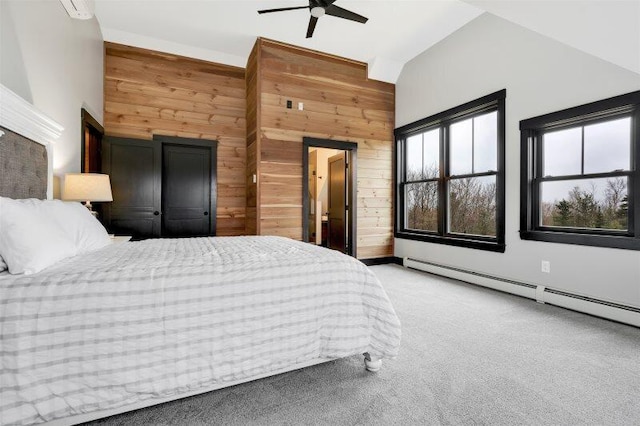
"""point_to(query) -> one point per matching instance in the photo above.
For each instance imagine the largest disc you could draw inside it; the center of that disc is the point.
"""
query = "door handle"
(156, 213)
(206, 213)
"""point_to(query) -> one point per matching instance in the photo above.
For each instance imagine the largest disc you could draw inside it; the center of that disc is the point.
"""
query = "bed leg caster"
(372, 364)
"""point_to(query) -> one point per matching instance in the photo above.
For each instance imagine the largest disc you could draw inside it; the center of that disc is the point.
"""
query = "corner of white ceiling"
(152, 43)
(384, 69)
(607, 30)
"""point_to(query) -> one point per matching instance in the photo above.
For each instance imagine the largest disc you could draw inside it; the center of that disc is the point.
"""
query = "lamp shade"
(87, 187)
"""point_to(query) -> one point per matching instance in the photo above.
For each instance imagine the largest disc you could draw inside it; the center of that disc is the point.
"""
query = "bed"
(139, 323)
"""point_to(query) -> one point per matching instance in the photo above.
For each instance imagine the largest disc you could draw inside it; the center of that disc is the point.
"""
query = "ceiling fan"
(319, 8)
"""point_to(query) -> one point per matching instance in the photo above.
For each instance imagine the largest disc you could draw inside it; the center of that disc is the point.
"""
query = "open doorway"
(329, 194)
(91, 149)
(90, 143)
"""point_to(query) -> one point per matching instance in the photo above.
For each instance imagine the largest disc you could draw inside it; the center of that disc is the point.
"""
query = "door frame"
(213, 146)
(87, 122)
(352, 197)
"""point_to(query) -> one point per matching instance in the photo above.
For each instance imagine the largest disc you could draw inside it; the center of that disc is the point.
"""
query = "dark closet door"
(135, 170)
(186, 191)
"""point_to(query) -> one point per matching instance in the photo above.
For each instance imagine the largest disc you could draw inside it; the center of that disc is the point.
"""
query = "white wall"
(56, 63)
(541, 76)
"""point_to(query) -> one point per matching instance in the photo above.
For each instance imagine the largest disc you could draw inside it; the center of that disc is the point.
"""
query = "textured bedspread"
(158, 318)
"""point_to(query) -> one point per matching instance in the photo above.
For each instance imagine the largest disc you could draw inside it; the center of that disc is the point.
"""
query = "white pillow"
(29, 240)
(75, 220)
(3, 265)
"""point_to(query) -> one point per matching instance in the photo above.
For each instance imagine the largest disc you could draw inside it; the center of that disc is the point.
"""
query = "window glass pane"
(472, 206)
(431, 153)
(585, 203)
(422, 206)
(460, 147)
(485, 142)
(562, 152)
(414, 157)
(607, 146)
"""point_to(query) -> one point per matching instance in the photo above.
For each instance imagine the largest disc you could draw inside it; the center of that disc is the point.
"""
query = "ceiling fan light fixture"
(317, 11)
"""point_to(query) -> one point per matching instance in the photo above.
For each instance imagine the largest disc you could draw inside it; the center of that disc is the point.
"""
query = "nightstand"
(120, 238)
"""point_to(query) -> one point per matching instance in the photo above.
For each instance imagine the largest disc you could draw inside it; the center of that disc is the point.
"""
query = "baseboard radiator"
(613, 311)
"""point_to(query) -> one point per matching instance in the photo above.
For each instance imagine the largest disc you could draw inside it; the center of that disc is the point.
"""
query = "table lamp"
(87, 187)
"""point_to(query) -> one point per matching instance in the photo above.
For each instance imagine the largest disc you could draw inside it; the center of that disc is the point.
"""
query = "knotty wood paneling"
(253, 155)
(148, 92)
(340, 103)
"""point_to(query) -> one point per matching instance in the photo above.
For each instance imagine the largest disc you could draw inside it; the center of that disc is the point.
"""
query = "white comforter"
(158, 318)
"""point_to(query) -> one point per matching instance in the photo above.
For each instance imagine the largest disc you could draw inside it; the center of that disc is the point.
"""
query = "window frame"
(531, 169)
(443, 120)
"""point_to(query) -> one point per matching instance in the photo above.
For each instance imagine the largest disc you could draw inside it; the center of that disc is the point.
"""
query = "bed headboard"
(23, 166)
(28, 135)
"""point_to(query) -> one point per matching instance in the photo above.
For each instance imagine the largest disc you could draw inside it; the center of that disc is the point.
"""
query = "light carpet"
(469, 355)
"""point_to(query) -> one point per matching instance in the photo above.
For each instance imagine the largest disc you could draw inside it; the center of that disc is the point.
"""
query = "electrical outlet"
(300, 106)
(289, 104)
(546, 266)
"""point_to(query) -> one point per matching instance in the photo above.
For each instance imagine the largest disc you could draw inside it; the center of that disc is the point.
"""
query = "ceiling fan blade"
(321, 3)
(339, 12)
(312, 26)
(282, 9)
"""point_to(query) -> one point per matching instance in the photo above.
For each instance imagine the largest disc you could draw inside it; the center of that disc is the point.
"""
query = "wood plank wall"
(148, 92)
(340, 103)
(253, 155)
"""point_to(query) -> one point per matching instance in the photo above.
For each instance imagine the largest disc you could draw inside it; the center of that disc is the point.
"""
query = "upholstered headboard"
(23, 167)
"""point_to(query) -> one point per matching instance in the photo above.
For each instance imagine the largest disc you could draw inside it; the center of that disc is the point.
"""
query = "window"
(579, 179)
(450, 176)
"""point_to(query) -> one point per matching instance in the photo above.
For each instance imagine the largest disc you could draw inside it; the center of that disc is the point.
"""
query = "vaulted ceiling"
(224, 31)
